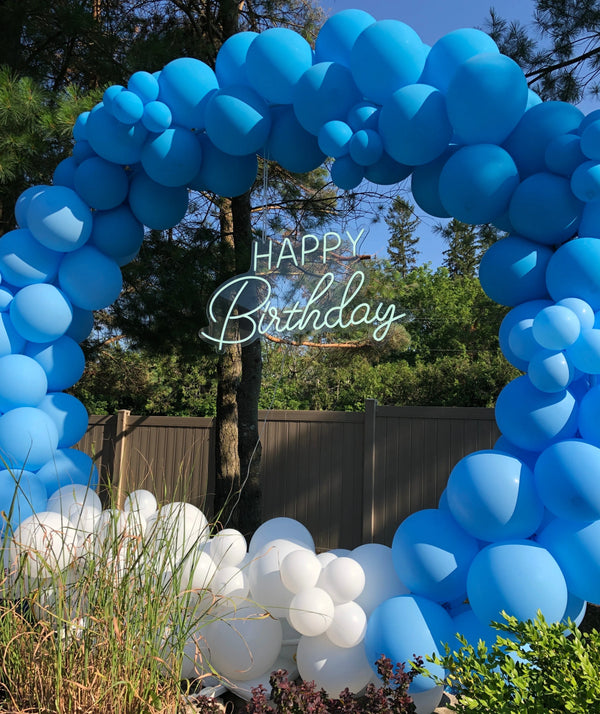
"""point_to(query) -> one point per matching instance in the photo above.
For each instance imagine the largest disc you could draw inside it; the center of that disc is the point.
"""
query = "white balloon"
(344, 579)
(281, 529)
(300, 570)
(228, 547)
(311, 612)
(244, 689)
(142, 502)
(230, 587)
(381, 580)
(68, 498)
(427, 701)
(46, 541)
(85, 518)
(349, 625)
(175, 531)
(197, 572)
(326, 557)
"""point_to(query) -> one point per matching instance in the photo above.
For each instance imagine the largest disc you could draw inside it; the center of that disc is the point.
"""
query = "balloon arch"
(518, 528)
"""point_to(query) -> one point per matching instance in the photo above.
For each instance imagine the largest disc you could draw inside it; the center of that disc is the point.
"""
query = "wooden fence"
(351, 478)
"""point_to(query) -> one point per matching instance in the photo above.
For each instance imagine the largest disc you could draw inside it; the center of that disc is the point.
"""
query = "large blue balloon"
(563, 154)
(23, 382)
(21, 494)
(24, 260)
(432, 555)
(518, 577)
(59, 219)
(492, 496)
(414, 125)
(224, 174)
(117, 233)
(533, 419)
(574, 271)
(425, 185)
(112, 140)
(230, 65)
(186, 85)
(63, 361)
(41, 312)
(238, 120)
(589, 416)
(22, 204)
(90, 279)
(68, 466)
(28, 438)
(386, 171)
(68, 414)
(173, 157)
(290, 145)
(156, 206)
(336, 38)
(102, 184)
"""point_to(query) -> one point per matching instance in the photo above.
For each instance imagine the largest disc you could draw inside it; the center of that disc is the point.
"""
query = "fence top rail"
(480, 413)
(311, 416)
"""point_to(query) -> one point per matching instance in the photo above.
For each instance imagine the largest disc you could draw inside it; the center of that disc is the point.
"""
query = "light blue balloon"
(581, 308)
(127, 107)
(290, 145)
(90, 279)
(366, 147)
(101, 184)
(22, 204)
(589, 416)
(59, 219)
(23, 382)
(172, 158)
(116, 233)
(336, 38)
(63, 361)
(24, 260)
(524, 314)
(574, 271)
(145, 85)
(28, 438)
(550, 371)
(224, 174)
(21, 494)
(112, 140)
(40, 312)
(186, 85)
(6, 296)
(346, 173)
(563, 154)
(467, 624)
(156, 206)
(68, 414)
(556, 327)
(585, 353)
(11, 342)
(334, 138)
(68, 466)
(521, 342)
(230, 65)
(157, 117)
(386, 171)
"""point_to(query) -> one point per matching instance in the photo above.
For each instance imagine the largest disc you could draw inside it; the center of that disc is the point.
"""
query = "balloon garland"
(518, 528)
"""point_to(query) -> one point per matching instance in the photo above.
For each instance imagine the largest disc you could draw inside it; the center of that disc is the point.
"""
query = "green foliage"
(402, 222)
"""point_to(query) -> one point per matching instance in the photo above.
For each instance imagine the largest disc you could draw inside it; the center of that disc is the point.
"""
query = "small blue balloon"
(523, 315)
(6, 296)
(230, 65)
(386, 171)
(90, 279)
(63, 361)
(291, 146)
(172, 158)
(550, 371)
(82, 150)
(156, 206)
(64, 173)
(585, 181)
(364, 115)
(334, 138)
(28, 438)
(40, 312)
(109, 96)
(157, 117)
(186, 84)
(224, 174)
(68, 466)
(574, 271)
(336, 38)
(116, 233)
(59, 219)
(102, 184)
(556, 327)
(346, 173)
(127, 107)
(112, 140)
(24, 260)
(69, 416)
(145, 85)
(366, 147)
(563, 154)
(582, 310)
(21, 494)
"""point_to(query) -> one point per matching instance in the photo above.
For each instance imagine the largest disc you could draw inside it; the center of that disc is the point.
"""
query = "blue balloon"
(6, 296)
(486, 98)
(513, 271)
(336, 38)
(366, 147)
(21, 494)
(28, 438)
(59, 219)
(127, 107)
(581, 308)
(325, 92)
(521, 342)
(405, 626)
(587, 120)
(533, 419)
(492, 496)
(40, 312)
(80, 127)
(116, 233)
(364, 115)
(425, 186)
(584, 354)
(145, 85)
(387, 55)
(590, 139)
(90, 279)
(23, 382)
(156, 206)
(334, 138)
(589, 416)
(414, 125)
(22, 204)
(186, 84)
(68, 414)
(544, 209)
(172, 158)
(556, 327)
(68, 466)
(230, 65)
(11, 342)
(112, 140)
(346, 173)
(64, 173)
(467, 624)
(520, 317)
(83, 150)
(574, 271)
(157, 117)
(224, 174)
(585, 181)
(576, 548)
(518, 577)
(109, 96)
(432, 555)
(102, 184)
(386, 171)
(477, 183)
(63, 361)
(291, 146)
(24, 260)
(81, 324)
(563, 154)
(550, 371)
(275, 61)
(238, 120)
(527, 457)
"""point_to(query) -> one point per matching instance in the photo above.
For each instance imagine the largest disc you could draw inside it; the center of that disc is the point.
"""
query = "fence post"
(368, 524)
(119, 477)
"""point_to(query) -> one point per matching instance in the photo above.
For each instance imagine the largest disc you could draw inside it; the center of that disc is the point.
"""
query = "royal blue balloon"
(563, 154)
(81, 324)
(386, 171)
(238, 120)
(414, 125)
(291, 146)
(112, 140)
(467, 624)
(486, 98)
(366, 147)
(21, 494)
(224, 174)
(527, 457)
(69, 416)
(145, 85)
(23, 382)
(156, 206)
(90, 279)
(24, 260)
(64, 173)
(59, 219)
(405, 626)
(117, 233)
(518, 577)
(127, 107)
(432, 555)
(11, 342)
(186, 85)
(590, 140)
(589, 416)
(82, 150)
(325, 92)
(544, 209)
(63, 361)
(80, 127)
(40, 312)
(556, 327)
(157, 117)
(533, 419)
(109, 96)
(275, 61)
(513, 271)
(521, 317)
(364, 115)
(387, 55)
(584, 354)
(425, 186)
(346, 173)
(550, 371)
(576, 548)
(336, 38)
(478, 182)
(587, 120)
(230, 65)
(68, 466)
(585, 181)
(6, 296)
(492, 496)
(28, 438)
(172, 158)
(102, 184)
(22, 204)
(521, 342)
(334, 138)
(574, 271)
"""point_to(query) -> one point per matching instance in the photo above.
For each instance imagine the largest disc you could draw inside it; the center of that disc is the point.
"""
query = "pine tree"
(402, 222)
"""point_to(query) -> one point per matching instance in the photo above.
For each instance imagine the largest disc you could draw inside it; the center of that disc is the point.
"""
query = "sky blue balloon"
(544, 209)
(230, 65)
(467, 624)
(6, 296)
(172, 158)
(425, 185)
(108, 97)
(68, 466)
(157, 117)
(186, 85)
(581, 308)
(366, 147)
(405, 626)
(414, 124)
(486, 98)
(81, 324)
(533, 419)
(11, 342)
(28, 438)
(585, 353)
(521, 342)
(550, 371)
(156, 206)
(224, 174)
(64, 173)
(23, 382)
(238, 120)
(63, 361)
(567, 477)
(59, 219)
(513, 271)
(101, 184)
(556, 327)
(117, 232)
(275, 61)
(68, 414)
(127, 107)
(563, 154)
(291, 146)
(112, 140)
(576, 548)
(478, 182)
(21, 494)
(346, 173)
(492, 496)
(574, 271)
(525, 314)
(364, 115)
(90, 279)
(334, 138)
(519, 577)
(145, 85)
(325, 92)
(22, 204)
(432, 555)
(387, 55)
(336, 38)
(40, 312)
(24, 260)
(386, 171)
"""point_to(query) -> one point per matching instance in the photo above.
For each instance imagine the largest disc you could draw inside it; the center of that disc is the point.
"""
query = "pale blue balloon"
(24, 260)
(556, 327)
(21, 494)
(11, 341)
(63, 361)
(23, 382)
(40, 312)
(28, 438)
(68, 414)
(550, 371)
(59, 219)
(22, 204)
(68, 466)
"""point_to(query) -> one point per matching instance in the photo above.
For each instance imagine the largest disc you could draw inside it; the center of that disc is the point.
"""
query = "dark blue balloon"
(64, 173)
(366, 147)
(291, 145)
(386, 171)
(102, 184)
(117, 233)
(90, 279)
(346, 173)
(156, 206)
(563, 154)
